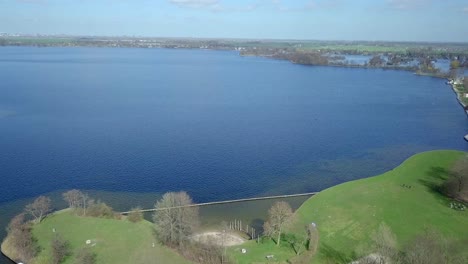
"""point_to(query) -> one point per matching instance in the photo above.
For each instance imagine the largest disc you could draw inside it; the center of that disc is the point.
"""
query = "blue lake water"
(209, 122)
(213, 123)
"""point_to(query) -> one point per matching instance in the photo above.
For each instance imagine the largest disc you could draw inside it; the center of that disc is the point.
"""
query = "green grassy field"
(116, 241)
(256, 253)
(349, 213)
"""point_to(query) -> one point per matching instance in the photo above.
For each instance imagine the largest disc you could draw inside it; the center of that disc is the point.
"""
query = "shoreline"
(458, 93)
(459, 97)
(460, 101)
(357, 66)
(383, 67)
(210, 216)
(352, 66)
(4, 254)
(236, 240)
(8, 259)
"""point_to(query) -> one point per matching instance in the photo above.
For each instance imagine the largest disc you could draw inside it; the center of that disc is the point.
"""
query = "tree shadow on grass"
(439, 173)
(437, 176)
(336, 256)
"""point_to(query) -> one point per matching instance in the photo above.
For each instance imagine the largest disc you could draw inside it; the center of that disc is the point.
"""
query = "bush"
(456, 185)
(60, 249)
(85, 256)
(203, 253)
(100, 209)
(135, 215)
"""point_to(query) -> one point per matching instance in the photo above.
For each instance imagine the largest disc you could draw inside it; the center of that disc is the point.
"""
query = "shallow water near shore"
(135, 123)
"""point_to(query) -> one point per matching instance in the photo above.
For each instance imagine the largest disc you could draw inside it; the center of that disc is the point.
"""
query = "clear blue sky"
(398, 20)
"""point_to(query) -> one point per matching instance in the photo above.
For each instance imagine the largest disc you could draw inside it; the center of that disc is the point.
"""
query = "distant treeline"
(416, 60)
(410, 56)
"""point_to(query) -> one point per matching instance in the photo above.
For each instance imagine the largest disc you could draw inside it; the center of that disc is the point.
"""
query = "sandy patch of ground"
(219, 238)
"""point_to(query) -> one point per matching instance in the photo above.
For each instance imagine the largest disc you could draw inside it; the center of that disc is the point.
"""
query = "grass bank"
(347, 214)
(404, 198)
(113, 241)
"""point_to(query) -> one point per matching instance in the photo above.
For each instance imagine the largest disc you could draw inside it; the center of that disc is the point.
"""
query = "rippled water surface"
(215, 124)
(212, 123)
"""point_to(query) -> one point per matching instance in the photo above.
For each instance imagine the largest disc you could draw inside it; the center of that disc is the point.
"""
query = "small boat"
(466, 137)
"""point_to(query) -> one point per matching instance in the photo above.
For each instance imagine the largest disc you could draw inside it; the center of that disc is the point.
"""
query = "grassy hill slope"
(404, 198)
(348, 214)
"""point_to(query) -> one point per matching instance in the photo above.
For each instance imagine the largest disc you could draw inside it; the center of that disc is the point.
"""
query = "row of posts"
(237, 225)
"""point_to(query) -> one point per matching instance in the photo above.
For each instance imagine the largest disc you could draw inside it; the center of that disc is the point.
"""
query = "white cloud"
(217, 5)
(465, 9)
(220, 6)
(224, 8)
(195, 3)
(408, 4)
(32, 1)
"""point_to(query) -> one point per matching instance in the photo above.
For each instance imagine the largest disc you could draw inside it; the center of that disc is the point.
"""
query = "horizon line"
(228, 38)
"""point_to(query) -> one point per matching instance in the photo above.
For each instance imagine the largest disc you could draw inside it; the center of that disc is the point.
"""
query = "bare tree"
(456, 251)
(174, 221)
(206, 253)
(460, 171)
(20, 239)
(73, 198)
(279, 217)
(39, 208)
(424, 249)
(457, 185)
(16, 223)
(224, 229)
(385, 243)
(85, 256)
(376, 61)
(78, 201)
(431, 248)
(60, 249)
